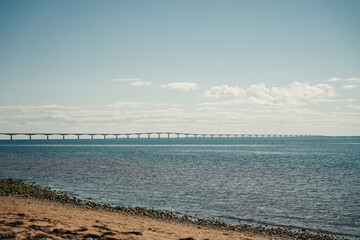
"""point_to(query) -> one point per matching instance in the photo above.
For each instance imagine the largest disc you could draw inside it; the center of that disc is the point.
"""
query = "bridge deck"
(157, 134)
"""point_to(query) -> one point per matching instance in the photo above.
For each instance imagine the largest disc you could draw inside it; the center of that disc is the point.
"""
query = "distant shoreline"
(21, 189)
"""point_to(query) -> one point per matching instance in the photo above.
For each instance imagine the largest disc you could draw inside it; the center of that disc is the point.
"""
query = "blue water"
(298, 182)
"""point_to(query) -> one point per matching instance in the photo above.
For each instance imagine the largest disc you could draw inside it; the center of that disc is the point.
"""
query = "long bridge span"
(150, 135)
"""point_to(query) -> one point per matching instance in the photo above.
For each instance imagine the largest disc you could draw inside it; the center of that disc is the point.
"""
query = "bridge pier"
(47, 136)
(177, 135)
(148, 135)
(168, 135)
(63, 137)
(159, 135)
(127, 136)
(116, 136)
(138, 136)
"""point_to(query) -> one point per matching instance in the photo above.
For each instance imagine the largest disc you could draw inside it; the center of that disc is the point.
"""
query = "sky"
(203, 66)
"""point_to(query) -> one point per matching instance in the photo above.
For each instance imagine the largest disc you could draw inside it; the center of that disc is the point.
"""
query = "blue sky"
(276, 67)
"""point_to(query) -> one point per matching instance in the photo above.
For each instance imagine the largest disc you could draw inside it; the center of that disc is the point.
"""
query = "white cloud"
(223, 91)
(350, 86)
(306, 91)
(141, 84)
(184, 86)
(295, 94)
(335, 79)
(125, 79)
(353, 79)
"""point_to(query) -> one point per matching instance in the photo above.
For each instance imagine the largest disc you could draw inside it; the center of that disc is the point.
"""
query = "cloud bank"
(125, 117)
(299, 108)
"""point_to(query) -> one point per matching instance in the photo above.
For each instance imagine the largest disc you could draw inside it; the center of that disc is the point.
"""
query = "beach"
(21, 218)
(29, 211)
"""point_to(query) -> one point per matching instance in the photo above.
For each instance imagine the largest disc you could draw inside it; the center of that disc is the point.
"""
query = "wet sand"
(22, 218)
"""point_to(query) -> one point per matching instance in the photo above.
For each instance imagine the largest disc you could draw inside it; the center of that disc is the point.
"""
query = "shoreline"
(18, 189)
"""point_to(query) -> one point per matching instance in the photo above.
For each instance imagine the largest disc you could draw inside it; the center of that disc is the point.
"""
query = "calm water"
(302, 182)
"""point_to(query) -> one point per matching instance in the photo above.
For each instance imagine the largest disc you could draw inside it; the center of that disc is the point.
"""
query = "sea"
(302, 183)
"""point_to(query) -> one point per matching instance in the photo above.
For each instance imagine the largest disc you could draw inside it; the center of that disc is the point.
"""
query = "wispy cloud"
(125, 79)
(236, 101)
(133, 81)
(353, 107)
(350, 86)
(141, 84)
(223, 91)
(38, 109)
(353, 79)
(184, 86)
(335, 79)
(125, 104)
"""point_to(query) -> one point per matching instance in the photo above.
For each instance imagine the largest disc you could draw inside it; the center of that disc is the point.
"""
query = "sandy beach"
(21, 218)
(29, 211)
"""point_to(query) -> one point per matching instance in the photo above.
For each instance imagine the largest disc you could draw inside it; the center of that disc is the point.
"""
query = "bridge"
(149, 134)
